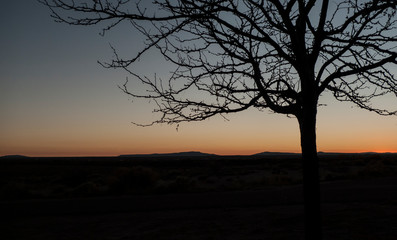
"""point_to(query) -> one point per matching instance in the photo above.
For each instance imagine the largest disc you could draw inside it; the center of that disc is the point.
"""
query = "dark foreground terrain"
(200, 197)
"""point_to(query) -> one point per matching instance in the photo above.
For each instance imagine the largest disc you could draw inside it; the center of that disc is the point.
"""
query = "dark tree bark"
(310, 167)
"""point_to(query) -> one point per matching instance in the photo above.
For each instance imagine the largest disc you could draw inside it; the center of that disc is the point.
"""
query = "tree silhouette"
(232, 55)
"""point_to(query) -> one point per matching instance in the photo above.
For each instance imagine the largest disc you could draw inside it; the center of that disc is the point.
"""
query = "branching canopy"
(238, 54)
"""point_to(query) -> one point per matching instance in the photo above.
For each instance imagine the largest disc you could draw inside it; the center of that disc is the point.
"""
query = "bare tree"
(266, 54)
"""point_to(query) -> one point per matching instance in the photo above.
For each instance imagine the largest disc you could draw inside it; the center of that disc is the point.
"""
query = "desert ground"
(201, 197)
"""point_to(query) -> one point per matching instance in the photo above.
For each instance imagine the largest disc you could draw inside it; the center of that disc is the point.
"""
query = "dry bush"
(127, 180)
(15, 190)
(87, 189)
(181, 184)
(276, 180)
(374, 168)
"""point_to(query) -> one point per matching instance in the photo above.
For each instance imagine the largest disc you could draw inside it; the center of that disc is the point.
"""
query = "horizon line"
(196, 152)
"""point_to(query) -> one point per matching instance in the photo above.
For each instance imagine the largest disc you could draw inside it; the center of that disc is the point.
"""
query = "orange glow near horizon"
(195, 137)
(215, 137)
(100, 153)
(245, 134)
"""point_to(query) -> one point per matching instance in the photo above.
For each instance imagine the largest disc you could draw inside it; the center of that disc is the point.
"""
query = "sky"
(56, 100)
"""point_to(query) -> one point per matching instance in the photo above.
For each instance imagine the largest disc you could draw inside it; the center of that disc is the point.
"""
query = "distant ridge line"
(275, 153)
(178, 154)
(199, 154)
(14, 156)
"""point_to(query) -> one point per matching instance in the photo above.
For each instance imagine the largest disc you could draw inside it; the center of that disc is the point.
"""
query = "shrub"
(132, 180)
(15, 190)
(374, 168)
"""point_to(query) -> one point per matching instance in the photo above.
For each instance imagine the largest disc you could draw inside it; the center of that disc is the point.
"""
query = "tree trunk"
(311, 184)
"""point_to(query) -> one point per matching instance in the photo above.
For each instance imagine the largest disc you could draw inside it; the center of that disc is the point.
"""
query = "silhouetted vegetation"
(35, 178)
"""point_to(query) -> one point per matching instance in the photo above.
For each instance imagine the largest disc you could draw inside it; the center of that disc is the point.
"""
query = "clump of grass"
(15, 190)
(276, 180)
(333, 176)
(86, 189)
(182, 184)
(69, 180)
(373, 168)
(129, 180)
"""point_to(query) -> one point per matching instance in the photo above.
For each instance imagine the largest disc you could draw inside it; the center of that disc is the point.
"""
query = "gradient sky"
(56, 100)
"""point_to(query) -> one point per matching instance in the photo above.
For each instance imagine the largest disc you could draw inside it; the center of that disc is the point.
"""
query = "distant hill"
(276, 154)
(179, 154)
(13, 156)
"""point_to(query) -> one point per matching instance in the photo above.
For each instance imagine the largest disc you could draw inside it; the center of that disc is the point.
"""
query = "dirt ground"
(352, 209)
